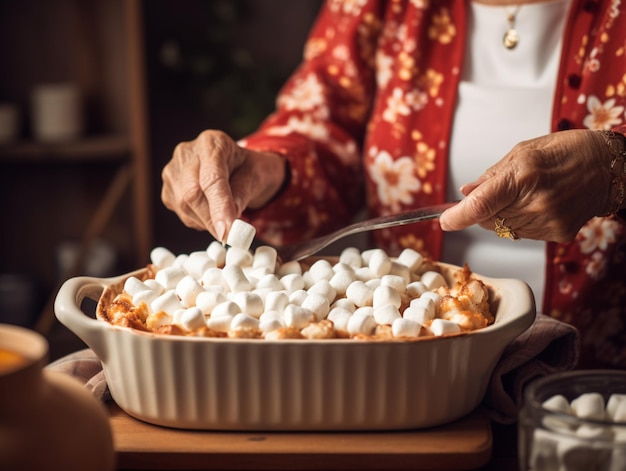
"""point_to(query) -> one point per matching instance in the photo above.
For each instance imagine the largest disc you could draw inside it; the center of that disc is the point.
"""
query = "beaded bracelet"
(616, 143)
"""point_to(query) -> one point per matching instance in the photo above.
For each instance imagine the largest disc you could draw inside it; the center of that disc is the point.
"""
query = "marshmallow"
(442, 327)
(192, 319)
(321, 270)
(363, 274)
(298, 297)
(360, 294)
(557, 403)
(340, 267)
(197, 263)
(146, 296)
(219, 323)
(405, 328)
(179, 261)
(289, 268)
(166, 302)
(360, 323)
(397, 282)
(366, 256)
(244, 322)
(419, 313)
(387, 314)
(250, 303)
(433, 280)
(265, 257)
(341, 280)
(187, 290)
(276, 301)
(235, 278)
(308, 279)
(619, 414)
(270, 281)
(207, 300)
(169, 277)
(373, 283)
(384, 295)
(400, 270)
(134, 285)
(379, 263)
(339, 317)
(292, 282)
(589, 406)
(240, 235)
(612, 405)
(272, 315)
(270, 324)
(318, 304)
(217, 252)
(411, 259)
(227, 308)
(432, 295)
(423, 310)
(344, 303)
(240, 257)
(324, 288)
(351, 256)
(162, 257)
(154, 285)
(298, 317)
(415, 289)
(364, 311)
(213, 277)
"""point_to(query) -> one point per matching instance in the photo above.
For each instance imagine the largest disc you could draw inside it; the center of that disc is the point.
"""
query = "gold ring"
(505, 231)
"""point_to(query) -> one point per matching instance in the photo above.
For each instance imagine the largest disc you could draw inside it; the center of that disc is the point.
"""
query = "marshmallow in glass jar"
(574, 421)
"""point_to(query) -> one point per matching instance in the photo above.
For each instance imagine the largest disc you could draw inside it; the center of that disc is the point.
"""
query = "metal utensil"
(311, 247)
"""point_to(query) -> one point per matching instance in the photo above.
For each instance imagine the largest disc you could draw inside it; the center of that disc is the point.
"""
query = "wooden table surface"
(464, 444)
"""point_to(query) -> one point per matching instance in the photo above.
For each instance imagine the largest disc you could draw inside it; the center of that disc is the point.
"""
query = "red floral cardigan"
(367, 117)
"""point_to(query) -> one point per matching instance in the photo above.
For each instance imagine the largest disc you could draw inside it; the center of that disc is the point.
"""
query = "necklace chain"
(511, 36)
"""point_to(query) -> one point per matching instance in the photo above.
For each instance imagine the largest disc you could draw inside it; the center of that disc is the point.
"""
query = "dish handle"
(68, 309)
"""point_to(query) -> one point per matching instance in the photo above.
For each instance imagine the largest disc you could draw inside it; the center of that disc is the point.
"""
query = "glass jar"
(574, 420)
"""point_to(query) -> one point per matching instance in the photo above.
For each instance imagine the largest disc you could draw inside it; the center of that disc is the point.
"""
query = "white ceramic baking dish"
(298, 385)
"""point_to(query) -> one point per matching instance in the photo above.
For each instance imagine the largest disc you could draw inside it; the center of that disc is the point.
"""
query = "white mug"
(57, 112)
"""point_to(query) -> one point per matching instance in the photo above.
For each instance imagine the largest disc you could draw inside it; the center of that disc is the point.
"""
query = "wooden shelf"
(98, 46)
(97, 148)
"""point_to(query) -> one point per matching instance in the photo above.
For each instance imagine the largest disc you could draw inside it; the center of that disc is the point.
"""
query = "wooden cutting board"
(464, 444)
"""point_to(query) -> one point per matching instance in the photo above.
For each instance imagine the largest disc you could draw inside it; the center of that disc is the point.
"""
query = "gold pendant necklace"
(511, 37)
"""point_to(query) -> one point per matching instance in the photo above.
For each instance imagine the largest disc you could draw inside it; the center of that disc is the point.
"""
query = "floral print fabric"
(366, 120)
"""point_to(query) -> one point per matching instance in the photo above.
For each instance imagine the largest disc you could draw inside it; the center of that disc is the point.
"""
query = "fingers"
(196, 182)
(210, 181)
(486, 197)
(545, 189)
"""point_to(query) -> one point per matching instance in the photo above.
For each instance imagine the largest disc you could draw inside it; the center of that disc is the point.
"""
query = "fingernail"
(220, 228)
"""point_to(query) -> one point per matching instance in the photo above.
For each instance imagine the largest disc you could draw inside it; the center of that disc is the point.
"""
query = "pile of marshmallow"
(596, 442)
(233, 290)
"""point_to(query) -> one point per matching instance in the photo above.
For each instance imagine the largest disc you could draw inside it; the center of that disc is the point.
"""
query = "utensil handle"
(381, 222)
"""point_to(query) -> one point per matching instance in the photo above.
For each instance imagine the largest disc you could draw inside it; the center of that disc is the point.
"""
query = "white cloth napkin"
(547, 347)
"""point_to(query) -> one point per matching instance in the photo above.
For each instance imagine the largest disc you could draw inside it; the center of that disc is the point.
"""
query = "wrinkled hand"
(210, 181)
(545, 188)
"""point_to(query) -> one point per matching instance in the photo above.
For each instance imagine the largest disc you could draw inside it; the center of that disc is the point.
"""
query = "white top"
(505, 96)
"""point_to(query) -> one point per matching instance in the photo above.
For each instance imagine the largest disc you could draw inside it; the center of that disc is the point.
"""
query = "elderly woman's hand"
(209, 181)
(545, 188)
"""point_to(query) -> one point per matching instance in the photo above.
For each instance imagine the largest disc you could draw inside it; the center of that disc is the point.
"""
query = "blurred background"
(94, 96)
